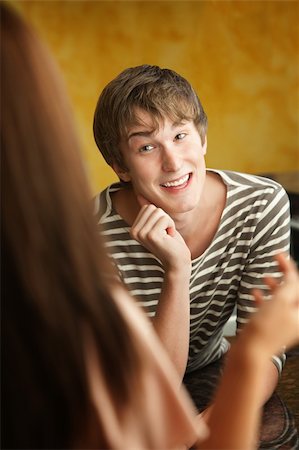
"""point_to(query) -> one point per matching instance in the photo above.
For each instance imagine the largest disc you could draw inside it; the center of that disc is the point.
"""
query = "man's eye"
(146, 148)
(180, 136)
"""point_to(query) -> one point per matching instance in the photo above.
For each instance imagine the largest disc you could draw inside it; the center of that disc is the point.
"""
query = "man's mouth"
(178, 182)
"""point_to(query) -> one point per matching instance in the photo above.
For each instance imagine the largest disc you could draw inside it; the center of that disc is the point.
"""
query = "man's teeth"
(177, 182)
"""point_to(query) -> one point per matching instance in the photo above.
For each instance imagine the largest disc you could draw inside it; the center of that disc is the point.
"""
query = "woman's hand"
(276, 323)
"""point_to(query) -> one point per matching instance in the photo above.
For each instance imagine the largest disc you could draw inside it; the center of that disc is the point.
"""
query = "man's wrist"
(179, 273)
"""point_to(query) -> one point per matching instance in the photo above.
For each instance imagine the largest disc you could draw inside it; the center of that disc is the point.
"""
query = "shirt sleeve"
(272, 236)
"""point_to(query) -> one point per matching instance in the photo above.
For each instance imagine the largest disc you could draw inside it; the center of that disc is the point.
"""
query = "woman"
(81, 367)
(59, 293)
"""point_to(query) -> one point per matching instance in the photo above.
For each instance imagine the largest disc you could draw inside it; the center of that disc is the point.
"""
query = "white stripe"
(214, 313)
(112, 231)
(147, 304)
(205, 293)
(274, 220)
(247, 309)
(127, 267)
(138, 292)
(109, 219)
(121, 243)
(130, 280)
(134, 255)
(96, 204)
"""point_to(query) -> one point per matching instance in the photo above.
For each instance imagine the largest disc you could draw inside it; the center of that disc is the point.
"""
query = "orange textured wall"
(242, 57)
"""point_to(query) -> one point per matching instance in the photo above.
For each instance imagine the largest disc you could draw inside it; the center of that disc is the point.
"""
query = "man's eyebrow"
(179, 123)
(150, 132)
(140, 133)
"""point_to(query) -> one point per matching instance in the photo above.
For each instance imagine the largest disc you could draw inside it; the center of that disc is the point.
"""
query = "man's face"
(164, 165)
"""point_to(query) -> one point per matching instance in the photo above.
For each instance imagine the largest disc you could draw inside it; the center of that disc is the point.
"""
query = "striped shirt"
(254, 226)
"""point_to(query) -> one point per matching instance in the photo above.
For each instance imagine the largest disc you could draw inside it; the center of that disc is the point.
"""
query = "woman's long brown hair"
(55, 274)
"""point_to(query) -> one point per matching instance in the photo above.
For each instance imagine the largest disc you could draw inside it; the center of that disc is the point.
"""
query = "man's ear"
(123, 174)
(205, 144)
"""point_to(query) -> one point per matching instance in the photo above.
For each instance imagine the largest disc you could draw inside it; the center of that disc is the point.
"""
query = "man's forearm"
(172, 319)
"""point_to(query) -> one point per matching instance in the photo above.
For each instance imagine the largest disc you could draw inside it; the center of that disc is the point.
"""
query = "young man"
(189, 243)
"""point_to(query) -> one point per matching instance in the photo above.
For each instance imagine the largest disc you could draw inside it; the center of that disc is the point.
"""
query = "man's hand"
(156, 230)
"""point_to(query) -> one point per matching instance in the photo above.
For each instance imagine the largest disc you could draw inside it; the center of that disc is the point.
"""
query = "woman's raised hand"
(276, 324)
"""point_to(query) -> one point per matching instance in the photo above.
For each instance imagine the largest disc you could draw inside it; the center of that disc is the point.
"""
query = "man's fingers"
(143, 216)
(151, 221)
(170, 231)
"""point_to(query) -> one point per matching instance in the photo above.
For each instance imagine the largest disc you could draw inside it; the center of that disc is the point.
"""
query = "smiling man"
(189, 243)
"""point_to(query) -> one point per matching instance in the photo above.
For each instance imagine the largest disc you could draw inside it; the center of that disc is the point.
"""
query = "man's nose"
(171, 161)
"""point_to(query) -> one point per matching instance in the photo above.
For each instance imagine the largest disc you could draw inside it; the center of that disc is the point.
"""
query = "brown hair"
(55, 276)
(161, 92)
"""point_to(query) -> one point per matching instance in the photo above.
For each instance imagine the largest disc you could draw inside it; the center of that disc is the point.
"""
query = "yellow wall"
(242, 57)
